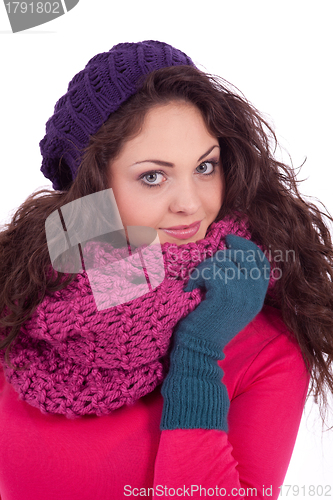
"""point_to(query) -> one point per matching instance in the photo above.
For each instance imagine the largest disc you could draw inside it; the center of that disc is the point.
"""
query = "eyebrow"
(168, 164)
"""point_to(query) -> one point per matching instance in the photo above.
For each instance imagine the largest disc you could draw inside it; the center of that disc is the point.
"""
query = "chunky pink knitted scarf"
(73, 359)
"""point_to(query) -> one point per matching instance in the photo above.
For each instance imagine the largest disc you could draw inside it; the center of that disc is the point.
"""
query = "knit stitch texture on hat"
(107, 81)
(74, 360)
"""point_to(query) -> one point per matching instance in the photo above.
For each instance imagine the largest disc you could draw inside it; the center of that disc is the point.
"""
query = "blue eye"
(151, 174)
(156, 172)
(213, 163)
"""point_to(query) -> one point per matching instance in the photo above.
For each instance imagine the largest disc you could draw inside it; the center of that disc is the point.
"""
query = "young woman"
(140, 358)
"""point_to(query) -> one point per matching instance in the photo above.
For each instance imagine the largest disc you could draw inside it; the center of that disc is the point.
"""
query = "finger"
(238, 243)
(197, 276)
(246, 252)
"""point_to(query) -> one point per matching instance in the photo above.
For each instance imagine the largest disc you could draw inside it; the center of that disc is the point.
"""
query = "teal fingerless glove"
(236, 282)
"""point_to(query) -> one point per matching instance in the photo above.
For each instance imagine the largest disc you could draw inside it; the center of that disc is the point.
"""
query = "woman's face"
(170, 174)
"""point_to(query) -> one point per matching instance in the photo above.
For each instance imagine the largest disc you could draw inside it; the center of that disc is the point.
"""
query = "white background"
(278, 53)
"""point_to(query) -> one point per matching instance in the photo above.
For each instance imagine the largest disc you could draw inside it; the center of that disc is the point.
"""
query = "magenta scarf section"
(73, 358)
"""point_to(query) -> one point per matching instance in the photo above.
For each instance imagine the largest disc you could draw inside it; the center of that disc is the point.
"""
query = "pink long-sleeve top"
(125, 455)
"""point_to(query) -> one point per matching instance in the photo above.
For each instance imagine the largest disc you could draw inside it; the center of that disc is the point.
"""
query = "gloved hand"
(236, 282)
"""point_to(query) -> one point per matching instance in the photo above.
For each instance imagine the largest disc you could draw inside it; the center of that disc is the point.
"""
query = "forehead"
(172, 112)
(168, 129)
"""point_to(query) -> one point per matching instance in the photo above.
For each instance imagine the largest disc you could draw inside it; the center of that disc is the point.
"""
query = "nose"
(185, 198)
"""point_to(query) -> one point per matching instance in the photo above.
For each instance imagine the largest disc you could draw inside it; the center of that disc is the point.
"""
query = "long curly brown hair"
(257, 186)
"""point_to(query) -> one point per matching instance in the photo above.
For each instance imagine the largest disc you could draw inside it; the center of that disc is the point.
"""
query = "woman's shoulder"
(264, 349)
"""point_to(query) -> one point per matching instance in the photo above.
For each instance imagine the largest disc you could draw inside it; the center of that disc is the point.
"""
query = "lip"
(184, 233)
(182, 227)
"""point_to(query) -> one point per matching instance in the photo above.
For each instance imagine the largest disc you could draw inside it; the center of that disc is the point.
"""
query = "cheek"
(123, 200)
(221, 188)
(216, 195)
(126, 198)
(133, 206)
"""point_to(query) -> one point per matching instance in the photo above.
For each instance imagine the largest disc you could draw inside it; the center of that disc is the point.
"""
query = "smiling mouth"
(183, 234)
(176, 228)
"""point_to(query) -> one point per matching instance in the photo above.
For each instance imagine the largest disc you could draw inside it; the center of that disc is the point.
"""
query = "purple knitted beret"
(107, 81)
